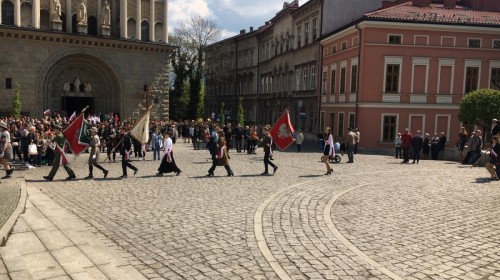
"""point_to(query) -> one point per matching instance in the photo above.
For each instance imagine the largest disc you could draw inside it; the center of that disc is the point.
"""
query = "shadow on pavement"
(482, 180)
(310, 176)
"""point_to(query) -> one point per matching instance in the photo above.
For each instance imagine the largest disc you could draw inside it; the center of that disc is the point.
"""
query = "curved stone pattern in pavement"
(436, 224)
(193, 227)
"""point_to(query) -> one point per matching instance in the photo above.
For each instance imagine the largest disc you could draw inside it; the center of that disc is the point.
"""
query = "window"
(297, 79)
(315, 29)
(304, 82)
(495, 78)
(306, 33)
(324, 78)
(263, 88)
(340, 131)
(352, 120)
(344, 45)
(332, 120)
(342, 80)
(267, 84)
(392, 78)
(394, 39)
(7, 13)
(271, 84)
(299, 36)
(474, 43)
(8, 83)
(313, 77)
(334, 49)
(354, 78)
(389, 128)
(496, 44)
(332, 81)
(471, 79)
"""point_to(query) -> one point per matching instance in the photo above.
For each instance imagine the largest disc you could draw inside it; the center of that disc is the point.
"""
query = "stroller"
(336, 158)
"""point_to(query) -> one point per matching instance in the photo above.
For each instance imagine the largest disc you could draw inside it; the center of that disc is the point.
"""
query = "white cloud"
(227, 33)
(180, 10)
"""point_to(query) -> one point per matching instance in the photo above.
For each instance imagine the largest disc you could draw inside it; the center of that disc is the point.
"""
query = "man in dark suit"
(125, 150)
(267, 143)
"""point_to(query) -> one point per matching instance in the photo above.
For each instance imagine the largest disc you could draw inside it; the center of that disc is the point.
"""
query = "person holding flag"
(59, 141)
(126, 148)
(94, 154)
(267, 143)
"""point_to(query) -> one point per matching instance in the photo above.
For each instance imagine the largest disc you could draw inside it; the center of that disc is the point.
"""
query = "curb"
(21, 206)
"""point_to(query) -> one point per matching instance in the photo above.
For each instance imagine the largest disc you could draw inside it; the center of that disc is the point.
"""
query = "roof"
(436, 13)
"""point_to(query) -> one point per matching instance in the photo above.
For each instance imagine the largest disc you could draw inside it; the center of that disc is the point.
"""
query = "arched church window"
(131, 28)
(7, 13)
(145, 31)
(63, 19)
(158, 32)
(74, 27)
(45, 20)
(26, 14)
(92, 25)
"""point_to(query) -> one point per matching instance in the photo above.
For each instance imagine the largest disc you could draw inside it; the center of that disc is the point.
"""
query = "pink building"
(408, 66)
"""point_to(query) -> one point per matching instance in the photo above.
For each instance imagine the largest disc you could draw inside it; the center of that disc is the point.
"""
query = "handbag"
(32, 150)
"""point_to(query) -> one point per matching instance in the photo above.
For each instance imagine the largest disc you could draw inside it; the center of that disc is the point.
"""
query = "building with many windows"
(408, 66)
(285, 61)
(67, 54)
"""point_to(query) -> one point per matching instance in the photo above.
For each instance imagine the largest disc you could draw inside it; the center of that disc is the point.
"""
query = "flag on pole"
(282, 131)
(140, 132)
(46, 112)
(77, 135)
(63, 159)
(72, 117)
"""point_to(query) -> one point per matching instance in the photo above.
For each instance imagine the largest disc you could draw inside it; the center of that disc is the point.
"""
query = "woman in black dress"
(168, 163)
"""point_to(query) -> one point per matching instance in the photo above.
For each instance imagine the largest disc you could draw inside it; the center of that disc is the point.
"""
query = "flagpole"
(118, 144)
(83, 111)
(140, 119)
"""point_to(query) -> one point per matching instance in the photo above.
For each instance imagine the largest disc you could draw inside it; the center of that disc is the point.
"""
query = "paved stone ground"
(374, 219)
(9, 197)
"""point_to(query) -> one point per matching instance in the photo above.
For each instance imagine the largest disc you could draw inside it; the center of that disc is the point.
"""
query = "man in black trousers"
(267, 143)
(126, 148)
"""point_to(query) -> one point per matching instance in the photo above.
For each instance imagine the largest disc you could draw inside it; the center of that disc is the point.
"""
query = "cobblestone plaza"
(374, 219)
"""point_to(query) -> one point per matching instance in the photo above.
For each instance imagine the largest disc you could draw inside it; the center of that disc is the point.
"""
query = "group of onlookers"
(410, 146)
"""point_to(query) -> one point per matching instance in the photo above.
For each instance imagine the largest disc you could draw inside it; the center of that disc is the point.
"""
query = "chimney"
(242, 31)
(450, 4)
(251, 28)
(422, 3)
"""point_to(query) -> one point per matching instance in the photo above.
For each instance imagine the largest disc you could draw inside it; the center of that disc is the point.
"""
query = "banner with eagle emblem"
(282, 131)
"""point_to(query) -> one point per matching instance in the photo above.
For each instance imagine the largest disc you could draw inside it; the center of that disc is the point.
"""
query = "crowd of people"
(32, 141)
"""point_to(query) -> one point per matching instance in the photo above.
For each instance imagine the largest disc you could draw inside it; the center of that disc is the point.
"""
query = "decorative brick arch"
(107, 79)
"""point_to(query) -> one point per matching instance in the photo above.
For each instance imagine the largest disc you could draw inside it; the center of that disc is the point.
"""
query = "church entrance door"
(72, 104)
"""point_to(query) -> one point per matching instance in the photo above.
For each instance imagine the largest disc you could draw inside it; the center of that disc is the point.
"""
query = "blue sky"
(231, 15)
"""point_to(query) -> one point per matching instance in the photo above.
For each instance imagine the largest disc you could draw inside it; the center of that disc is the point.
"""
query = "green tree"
(222, 114)
(480, 107)
(241, 115)
(16, 101)
(191, 36)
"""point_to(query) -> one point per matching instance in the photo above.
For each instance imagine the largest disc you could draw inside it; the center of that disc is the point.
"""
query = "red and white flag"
(77, 136)
(46, 112)
(282, 131)
(64, 157)
(72, 117)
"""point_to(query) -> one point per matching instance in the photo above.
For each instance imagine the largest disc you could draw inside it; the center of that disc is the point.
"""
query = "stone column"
(99, 23)
(0, 12)
(69, 17)
(138, 20)
(123, 19)
(165, 21)
(152, 20)
(17, 13)
(36, 14)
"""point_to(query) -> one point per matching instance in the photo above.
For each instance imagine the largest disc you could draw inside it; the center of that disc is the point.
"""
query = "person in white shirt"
(329, 150)
(299, 141)
(168, 163)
